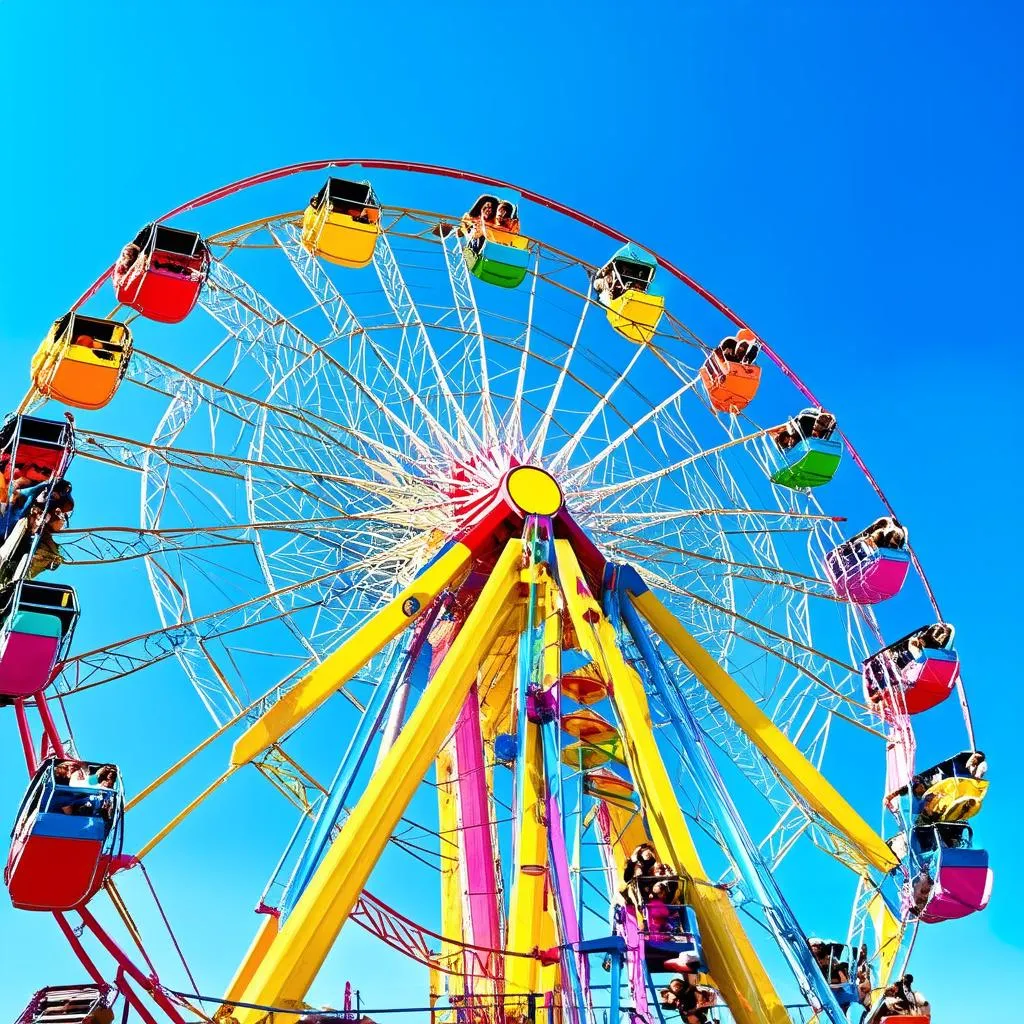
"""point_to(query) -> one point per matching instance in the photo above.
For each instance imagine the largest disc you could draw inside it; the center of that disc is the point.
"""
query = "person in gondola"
(125, 262)
(746, 351)
(824, 425)
(608, 286)
(505, 218)
(922, 890)
(638, 873)
(661, 919)
(475, 226)
(786, 438)
(976, 766)
(727, 350)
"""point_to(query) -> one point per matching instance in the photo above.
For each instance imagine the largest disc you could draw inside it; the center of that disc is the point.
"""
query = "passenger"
(936, 637)
(608, 286)
(976, 765)
(476, 226)
(786, 438)
(642, 861)
(727, 349)
(101, 1015)
(922, 891)
(864, 985)
(658, 914)
(125, 262)
(824, 425)
(751, 354)
(506, 219)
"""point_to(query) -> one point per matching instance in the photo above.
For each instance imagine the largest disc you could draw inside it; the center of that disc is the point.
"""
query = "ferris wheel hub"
(533, 491)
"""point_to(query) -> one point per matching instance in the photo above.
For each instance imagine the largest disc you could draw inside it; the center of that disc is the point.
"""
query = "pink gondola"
(36, 624)
(960, 876)
(863, 572)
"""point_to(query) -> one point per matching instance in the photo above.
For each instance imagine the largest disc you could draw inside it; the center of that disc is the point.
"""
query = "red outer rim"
(535, 197)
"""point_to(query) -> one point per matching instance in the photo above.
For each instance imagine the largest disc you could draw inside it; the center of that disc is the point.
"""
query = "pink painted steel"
(25, 732)
(899, 755)
(79, 950)
(635, 960)
(49, 726)
(477, 850)
(26, 663)
(149, 985)
(959, 890)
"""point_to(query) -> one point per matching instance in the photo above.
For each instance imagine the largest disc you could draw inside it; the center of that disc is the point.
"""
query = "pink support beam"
(26, 735)
(150, 985)
(477, 847)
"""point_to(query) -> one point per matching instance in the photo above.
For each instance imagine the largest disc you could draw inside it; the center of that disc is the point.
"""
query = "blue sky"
(845, 175)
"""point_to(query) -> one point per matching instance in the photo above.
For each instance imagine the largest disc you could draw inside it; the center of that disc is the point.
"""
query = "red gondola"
(67, 834)
(922, 667)
(161, 273)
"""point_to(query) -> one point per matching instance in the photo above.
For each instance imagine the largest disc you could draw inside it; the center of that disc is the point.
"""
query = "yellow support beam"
(307, 936)
(451, 875)
(336, 670)
(731, 958)
(780, 751)
(253, 958)
(526, 913)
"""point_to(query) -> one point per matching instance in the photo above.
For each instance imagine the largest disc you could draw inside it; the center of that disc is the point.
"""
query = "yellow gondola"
(623, 286)
(342, 222)
(82, 360)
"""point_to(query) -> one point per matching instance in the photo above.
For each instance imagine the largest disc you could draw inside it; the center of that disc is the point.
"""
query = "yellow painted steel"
(338, 238)
(526, 912)
(783, 754)
(887, 939)
(451, 876)
(253, 958)
(329, 676)
(732, 960)
(298, 952)
(534, 491)
(635, 314)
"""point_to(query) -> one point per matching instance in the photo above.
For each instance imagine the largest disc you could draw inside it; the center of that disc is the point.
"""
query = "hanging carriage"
(342, 222)
(835, 959)
(922, 667)
(806, 453)
(161, 273)
(82, 360)
(730, 375)
(865, 572)
(495, 254)
(953, 879)
(949, 791)
(623, 286)
(33, 451)
(66, 836)
(37, 622)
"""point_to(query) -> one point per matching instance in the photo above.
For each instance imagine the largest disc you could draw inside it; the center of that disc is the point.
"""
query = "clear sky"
(846, 175)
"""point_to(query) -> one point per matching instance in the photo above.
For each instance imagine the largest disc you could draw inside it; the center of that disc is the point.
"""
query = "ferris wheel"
(475, 504)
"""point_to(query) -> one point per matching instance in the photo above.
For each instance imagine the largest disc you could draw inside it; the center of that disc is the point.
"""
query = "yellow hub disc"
(534, 491)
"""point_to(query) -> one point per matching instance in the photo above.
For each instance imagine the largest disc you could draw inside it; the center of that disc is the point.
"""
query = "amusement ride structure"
(468, 506)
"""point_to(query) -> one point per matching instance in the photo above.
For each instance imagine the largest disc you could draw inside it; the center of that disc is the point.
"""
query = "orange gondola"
(82, 360)
(730, 375)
